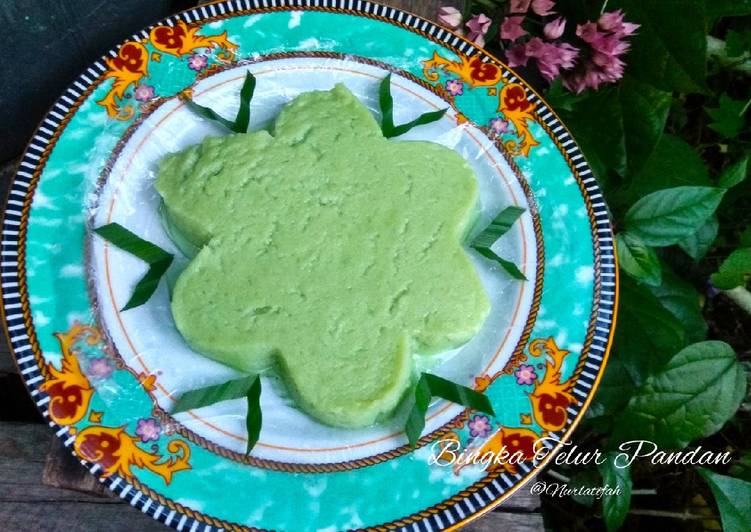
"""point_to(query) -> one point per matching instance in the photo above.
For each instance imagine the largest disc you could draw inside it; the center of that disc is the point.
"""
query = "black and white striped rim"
(31, 164)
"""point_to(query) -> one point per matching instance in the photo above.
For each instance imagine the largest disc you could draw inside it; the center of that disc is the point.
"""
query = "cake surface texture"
(327, 251)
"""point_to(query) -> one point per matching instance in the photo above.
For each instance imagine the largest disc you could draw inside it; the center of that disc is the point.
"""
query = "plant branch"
(741, 297)
(685, 516)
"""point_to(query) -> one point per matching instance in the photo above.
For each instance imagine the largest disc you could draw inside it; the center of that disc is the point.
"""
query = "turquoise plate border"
(173, 479)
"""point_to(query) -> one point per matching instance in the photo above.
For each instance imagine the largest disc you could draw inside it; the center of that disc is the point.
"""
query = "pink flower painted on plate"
(479, 426)
(144, 93)
(499, 125)
(526, 374)
(100, 368)
(197, 62)
(511, 28)
(450, 17)
(454, 87)
(554, 29)
(148, 429)
(478, 26)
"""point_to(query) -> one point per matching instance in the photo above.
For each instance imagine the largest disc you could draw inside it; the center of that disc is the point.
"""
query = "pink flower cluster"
(606, 45)
(478, 25)
(593, 59)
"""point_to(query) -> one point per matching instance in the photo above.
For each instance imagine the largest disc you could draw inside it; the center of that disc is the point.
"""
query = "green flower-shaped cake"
(327, 250)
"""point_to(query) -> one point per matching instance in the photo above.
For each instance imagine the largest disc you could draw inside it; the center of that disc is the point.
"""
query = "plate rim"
(34, 157)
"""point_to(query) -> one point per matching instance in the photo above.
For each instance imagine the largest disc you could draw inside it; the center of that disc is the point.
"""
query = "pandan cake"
(325, 251)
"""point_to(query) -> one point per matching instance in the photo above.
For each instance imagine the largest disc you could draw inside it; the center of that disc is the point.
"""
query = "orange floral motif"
(130, 65)
(551, 397)
(515, 106)
(510, 445)
(69, 390)
(132, 60)
(182, 39)
(470, 70)
(116, 452)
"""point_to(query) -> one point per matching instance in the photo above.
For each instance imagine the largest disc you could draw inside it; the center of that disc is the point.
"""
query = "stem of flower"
(604, 5)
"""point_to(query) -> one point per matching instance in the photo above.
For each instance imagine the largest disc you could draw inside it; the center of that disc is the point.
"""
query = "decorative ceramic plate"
(105, 379)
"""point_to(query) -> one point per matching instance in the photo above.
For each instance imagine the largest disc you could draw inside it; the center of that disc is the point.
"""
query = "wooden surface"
(44, 488)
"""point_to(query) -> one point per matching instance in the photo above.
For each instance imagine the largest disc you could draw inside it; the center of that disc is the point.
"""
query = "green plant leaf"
(158, 260)
(683, 301)
(646, 337)
(618, 128)
(733, 497)
(254, 418)
(734, 270)
(430, 386)
(669, 50)
(588, 478)
(637, 259)
(737, 43)
(667, 216)
(698, 243)
(210, 395)
(615, 507)
(242, 119)
(673, 163)
(734, 174)
(699, 389)
(728, 117)
(560, 98)
(387, 113)
(727, 8)
(741, 468)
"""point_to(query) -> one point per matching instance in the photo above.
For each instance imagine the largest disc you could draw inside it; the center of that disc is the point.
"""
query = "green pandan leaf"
(430, 386)
(248, 387)
(254, 418)
(158, 260)
(387, 113)
(668, 216)
(497, 228)
(637, 259)
(210, 395)
(692, 397)
(242, 119)
(733, 497)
